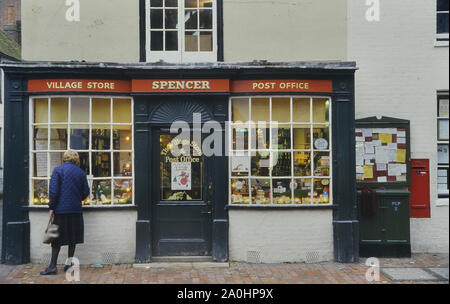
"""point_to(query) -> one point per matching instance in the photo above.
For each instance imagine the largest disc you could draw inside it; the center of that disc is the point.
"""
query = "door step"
(182, 259)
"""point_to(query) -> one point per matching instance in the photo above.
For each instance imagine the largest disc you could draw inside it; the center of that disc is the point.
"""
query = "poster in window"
(240, 164)
(443, 129)
(443, 154)
(443, 108)
(181, 176)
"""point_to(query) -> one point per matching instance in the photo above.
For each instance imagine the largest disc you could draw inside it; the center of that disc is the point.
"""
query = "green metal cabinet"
(387, 232)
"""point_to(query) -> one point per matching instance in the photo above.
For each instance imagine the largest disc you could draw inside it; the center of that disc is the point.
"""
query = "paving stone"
(408, 274)
(443, 272)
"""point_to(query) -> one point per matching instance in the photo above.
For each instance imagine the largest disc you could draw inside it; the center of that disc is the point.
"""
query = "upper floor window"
(442, 20)
(181, 30)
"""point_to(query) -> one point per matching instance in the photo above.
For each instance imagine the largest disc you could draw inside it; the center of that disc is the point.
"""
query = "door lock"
(206, 212)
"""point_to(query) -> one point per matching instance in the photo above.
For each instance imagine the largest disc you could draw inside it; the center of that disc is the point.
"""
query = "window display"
(100, 130)
(285, 159)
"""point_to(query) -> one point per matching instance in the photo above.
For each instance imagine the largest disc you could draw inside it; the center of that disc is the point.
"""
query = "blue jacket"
(68, 188)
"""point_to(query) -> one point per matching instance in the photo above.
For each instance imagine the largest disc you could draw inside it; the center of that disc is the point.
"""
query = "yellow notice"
(401, 156)
(368, 172)
(385, 138)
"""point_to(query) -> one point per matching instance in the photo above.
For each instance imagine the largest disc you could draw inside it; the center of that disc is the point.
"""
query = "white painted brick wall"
(400, 71)
(281, 236)
(105, 232)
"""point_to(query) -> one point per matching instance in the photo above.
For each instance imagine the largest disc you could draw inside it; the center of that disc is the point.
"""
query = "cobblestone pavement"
(237, 273)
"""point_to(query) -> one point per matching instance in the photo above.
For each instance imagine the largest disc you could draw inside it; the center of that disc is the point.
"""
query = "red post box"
(420, 188)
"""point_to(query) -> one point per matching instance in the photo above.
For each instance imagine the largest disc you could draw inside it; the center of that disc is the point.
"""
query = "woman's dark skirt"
(71, 229)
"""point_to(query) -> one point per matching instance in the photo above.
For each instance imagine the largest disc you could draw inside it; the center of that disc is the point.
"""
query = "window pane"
(443, 154)
(171, 18)
(190, 19)
(302, 164)
(58, 137)
(260, 109)
(84, 162)
(443, 129)
(101, 164)
(59, 110)
(79, 109)
(101, 110)
(190, 3)
(302, 137)
(191, 41)
(40, 165)
(123, 191)
(171, 41)
(302, 191)
(206, 41)
(282, 191)
(281, 138)
(321, 164)
(156, 19)
(281, 164)
(101, 137)
(301, 108)
(41, 110)
(56, 160)
(443, 108)
(321, 191)
(206, 3)
(206, 19)
(260, 164)
(40, 138)
(240, 164)
(156, 3)
(79, 137)
(321, 136)
(123, 164)
(281, 109)
(240, 137)
(156, 41)
(122, 138)
(260, 138)
(101, 192)
(122, 110)
(442, 23)
(442, 5)
(240, 109)
(171, 3)
(240, 191)
(40, 192)
(321, 108)
(260, 191)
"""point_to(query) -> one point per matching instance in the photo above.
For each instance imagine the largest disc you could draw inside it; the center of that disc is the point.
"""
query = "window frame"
(441, 166)
(90, 124)
(442, 39)
(292, 151)
(181, 56)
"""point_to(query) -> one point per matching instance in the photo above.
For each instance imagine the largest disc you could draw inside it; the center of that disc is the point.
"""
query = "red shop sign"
(282, 85)
(180, 85)
(79, 85)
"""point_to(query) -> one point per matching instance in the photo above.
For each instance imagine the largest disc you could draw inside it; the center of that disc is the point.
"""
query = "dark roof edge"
(321, 65)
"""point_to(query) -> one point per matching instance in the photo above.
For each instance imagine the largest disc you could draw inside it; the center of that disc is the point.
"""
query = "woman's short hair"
(71, 156)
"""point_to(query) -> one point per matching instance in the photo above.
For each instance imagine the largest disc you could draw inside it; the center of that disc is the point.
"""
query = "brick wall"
(9, 17)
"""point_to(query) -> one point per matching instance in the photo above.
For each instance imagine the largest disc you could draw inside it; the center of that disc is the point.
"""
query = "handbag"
(52, 232)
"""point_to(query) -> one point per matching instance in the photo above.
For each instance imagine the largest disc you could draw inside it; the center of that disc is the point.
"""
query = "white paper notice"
(395, 169)
(359, 170)
(358, 130)
(392, 146)
(392, 155)
(401, 134)
(369, 148)
(382, 179)
(359, 138)
(181, 176)
(367, 132)
(381, 155)
(401, 140)
(360, 156)
(401, 178)
(381, 167)
(376, 143)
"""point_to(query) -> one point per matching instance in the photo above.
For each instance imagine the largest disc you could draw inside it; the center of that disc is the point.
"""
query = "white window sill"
(441, 43)
(441, 202)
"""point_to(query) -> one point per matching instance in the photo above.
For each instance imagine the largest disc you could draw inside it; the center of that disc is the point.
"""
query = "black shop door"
(181, 208)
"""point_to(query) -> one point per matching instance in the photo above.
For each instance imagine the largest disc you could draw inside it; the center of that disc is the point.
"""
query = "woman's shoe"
(49, 271)
(66, 267)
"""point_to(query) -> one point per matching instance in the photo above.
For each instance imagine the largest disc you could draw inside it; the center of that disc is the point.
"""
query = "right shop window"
(443, 144)
(280, 152)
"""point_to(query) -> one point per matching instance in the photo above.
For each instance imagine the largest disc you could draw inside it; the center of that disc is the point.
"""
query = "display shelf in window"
(382, 152)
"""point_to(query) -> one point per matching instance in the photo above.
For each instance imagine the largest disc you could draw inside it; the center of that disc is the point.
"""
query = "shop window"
(281, 151)
(100, 130)
(181, 30)
(442, 20)
(443, 145)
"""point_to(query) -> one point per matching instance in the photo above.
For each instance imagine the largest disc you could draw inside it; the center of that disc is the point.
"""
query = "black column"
(345, 220)
(16, 225)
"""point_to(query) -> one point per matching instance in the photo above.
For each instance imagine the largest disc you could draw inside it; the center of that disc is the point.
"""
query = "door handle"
(206, 212)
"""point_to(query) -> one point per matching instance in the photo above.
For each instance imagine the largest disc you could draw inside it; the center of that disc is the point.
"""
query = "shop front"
(241, 162)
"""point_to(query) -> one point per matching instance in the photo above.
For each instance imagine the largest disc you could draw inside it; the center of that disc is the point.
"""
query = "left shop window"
(100, 129)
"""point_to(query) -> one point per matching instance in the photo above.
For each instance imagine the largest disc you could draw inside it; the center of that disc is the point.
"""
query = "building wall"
(110, 237)
(108, 31)
(400, 71)
(281, 236)
(10, 26)
(294, 30)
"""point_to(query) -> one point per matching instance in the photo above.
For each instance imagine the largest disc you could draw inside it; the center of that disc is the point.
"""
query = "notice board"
(382, 150)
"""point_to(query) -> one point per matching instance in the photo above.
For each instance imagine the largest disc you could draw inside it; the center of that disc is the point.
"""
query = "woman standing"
(68, 188)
